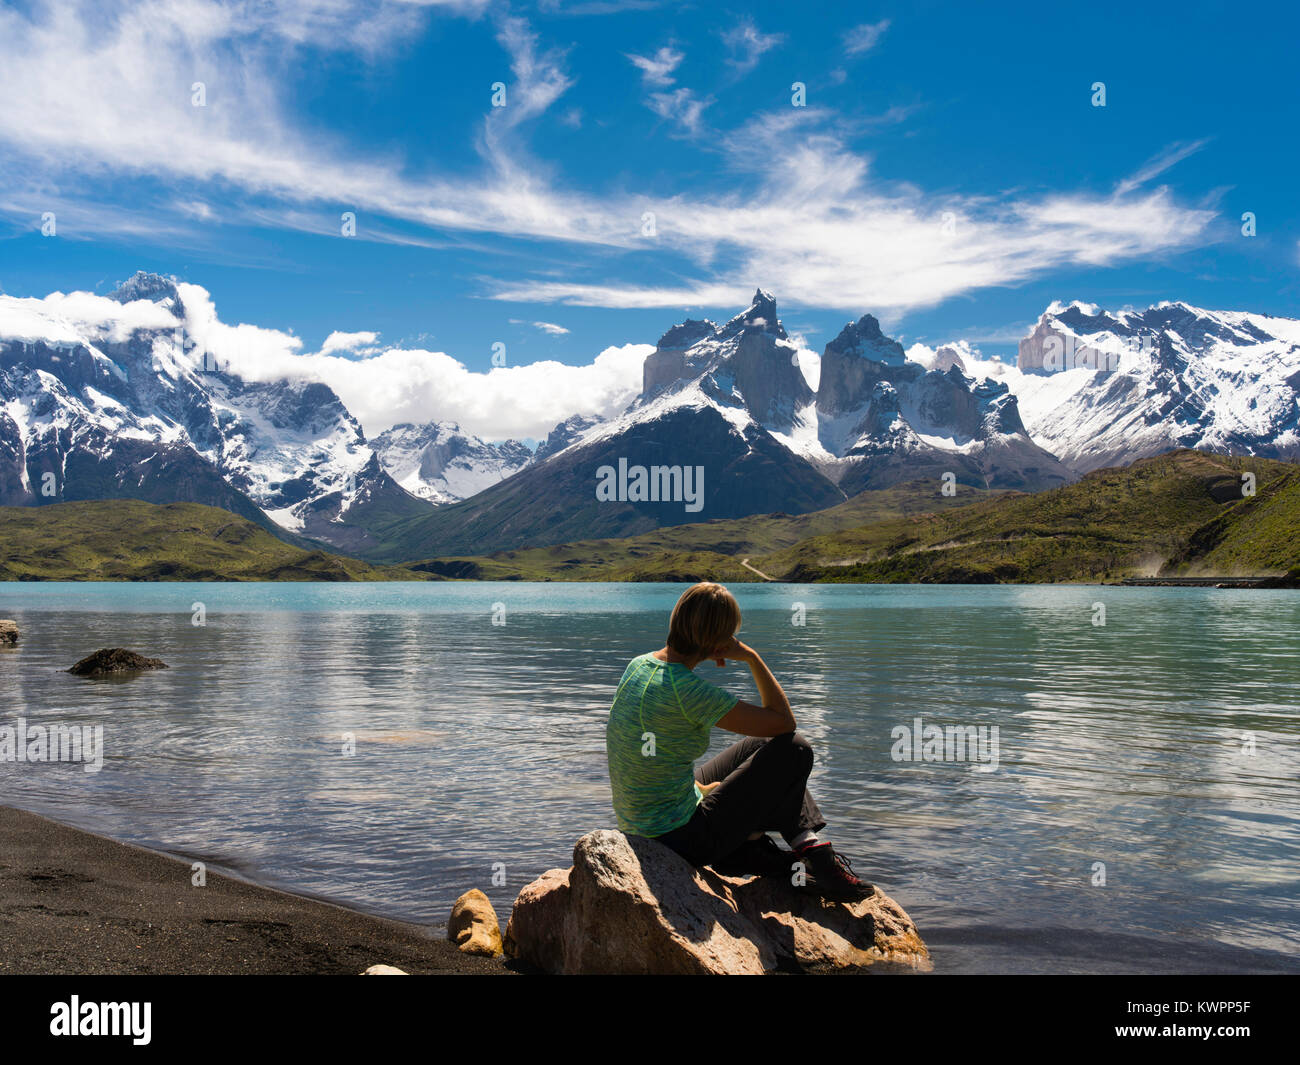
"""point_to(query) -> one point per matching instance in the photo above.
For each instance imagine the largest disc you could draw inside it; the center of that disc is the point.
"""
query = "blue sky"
(475, 223)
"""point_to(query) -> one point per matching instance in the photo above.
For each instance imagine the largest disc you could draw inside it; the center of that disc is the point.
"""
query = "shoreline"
(76, 903)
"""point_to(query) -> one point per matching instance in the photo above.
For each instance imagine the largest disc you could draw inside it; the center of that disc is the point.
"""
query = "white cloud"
(68, 317)
(865, 37)
(657, 70)
(810, 365)
(414, 385)
(551, 328)
(821, 233)
(337, 341)
(748, 45)
(1158, 164)
(680, 106)
(88, 98)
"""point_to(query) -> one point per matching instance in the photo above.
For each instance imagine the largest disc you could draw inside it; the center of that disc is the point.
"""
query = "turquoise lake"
(1143, 815)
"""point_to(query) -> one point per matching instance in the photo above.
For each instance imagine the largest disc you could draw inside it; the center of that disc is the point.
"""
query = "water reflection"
(1125, 747)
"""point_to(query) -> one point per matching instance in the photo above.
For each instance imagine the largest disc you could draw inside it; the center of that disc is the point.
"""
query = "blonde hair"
(705, 617)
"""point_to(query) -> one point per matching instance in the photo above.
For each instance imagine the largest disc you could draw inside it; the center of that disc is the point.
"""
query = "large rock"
(473, 925)
(631, 905)
(8, 633)
(109, 660)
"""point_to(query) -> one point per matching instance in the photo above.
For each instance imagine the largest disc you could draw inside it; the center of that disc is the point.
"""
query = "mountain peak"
(760, 313)
(864, 339)
(687, 333)
(143, 285)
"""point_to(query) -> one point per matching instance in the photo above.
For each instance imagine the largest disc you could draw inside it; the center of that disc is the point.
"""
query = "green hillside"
(1179, 513)
(712, 550)
(129, 540)
(1258, 534)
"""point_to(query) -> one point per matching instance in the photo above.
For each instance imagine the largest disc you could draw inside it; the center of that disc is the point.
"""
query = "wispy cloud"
(747, 45)
(546, 327)
(1158, 164)
(803, 215)
(863, 38)
(681, 106)
(658, 69)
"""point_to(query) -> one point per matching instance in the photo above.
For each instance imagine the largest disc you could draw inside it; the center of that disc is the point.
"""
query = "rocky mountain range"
(122, 409)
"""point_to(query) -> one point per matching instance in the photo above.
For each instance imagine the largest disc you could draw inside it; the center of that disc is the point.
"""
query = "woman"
(720, 814)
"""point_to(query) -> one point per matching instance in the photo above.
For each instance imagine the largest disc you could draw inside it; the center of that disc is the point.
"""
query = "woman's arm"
(773, 717)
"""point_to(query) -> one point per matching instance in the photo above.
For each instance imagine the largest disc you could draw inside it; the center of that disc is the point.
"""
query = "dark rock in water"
(114, 660)
(8, 633)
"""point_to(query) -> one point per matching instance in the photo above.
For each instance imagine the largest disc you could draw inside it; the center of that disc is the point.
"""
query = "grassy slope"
(126, 539)
(1117, 522)
(1261, 533)
(704, 551)
(1178, 514)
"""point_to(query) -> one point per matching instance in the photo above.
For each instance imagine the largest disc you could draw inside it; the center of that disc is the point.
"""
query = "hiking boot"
(830, 876)
(756, 857)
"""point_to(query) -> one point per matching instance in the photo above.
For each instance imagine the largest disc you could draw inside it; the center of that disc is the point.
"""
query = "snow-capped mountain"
(124, 407)
(881, 418)
(441, 463)
(876, 417)
(732, 402)
(565, 434)
(1099, 388)
(107, 398)
(711, 400)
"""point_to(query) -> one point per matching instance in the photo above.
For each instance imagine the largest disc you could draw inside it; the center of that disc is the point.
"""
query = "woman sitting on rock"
(720, 813)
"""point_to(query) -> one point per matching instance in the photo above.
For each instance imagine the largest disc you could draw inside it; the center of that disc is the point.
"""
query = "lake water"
(1159, 750)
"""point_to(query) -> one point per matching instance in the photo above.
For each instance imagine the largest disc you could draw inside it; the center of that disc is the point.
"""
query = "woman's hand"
(733, 649)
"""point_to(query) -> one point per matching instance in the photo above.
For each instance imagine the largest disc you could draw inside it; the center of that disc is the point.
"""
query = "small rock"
(473, 925)
(8, 633)
(114, 660)
(384, 970)
(632, 905)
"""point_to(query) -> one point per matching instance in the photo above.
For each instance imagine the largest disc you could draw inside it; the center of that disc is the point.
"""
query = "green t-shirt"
(656, 792)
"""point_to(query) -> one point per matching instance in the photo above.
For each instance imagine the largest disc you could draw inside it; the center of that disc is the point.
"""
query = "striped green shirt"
(658, 726)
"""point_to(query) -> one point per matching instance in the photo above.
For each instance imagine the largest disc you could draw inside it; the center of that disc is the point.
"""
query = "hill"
(1181, 513)
(713, 550)
(129, 540)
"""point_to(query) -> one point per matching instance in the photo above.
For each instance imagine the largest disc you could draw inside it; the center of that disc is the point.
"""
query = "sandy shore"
(72, 902)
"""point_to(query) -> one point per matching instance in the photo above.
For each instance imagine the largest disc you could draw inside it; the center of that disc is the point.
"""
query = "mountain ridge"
(124, 406)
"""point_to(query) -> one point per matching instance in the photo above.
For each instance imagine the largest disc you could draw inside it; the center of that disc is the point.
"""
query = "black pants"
(764, 788)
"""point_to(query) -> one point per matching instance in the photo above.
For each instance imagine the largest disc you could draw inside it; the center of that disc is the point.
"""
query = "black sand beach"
(72, 902)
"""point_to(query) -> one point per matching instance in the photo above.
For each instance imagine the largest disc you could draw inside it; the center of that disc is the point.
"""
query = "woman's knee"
(796, 744)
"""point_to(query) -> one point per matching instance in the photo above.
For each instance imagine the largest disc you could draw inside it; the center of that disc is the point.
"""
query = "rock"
(8, 633)
(631, 905)
(384, 970)
(473, 925)
(809, 931)
(110, 660)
